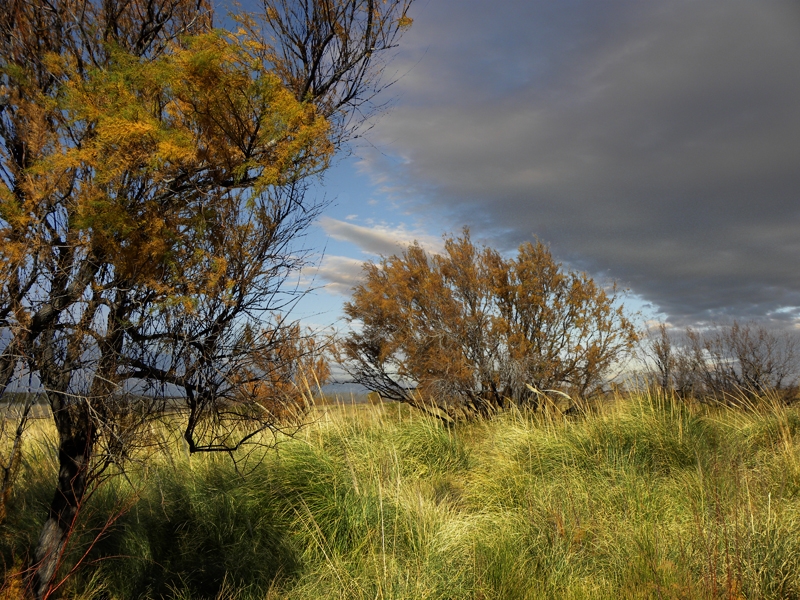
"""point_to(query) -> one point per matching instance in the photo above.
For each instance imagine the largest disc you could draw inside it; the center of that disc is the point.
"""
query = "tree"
(469, 331)
(727, 363)
(283, 374)
(658, 351)
(152, 198)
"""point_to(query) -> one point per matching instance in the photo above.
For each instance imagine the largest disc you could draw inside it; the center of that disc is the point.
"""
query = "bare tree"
(726, 362)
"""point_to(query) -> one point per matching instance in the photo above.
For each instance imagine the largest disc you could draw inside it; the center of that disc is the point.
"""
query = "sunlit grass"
(644, 497)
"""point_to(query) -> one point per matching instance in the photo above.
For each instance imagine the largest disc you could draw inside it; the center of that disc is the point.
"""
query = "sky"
(656, 144)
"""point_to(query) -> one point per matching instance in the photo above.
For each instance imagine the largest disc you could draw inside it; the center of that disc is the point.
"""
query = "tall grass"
(643, 498)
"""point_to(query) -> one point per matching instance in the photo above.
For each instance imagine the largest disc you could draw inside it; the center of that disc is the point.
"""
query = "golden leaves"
(478, 327)
(203, 105)
(206, 113)
(287, 366)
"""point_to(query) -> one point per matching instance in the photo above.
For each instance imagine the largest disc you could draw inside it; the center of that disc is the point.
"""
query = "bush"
(477, 331)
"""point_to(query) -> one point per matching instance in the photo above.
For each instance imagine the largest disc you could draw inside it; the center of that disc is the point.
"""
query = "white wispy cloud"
(340, 273)
(382, 240)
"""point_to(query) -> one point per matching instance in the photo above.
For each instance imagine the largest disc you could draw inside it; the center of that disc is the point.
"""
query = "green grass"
(644, 498)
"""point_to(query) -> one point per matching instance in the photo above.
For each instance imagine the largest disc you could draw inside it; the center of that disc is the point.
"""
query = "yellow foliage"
(15, 585)
(204, 109)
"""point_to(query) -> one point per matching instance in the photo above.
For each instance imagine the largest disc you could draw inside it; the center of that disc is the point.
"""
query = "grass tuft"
(644, 497)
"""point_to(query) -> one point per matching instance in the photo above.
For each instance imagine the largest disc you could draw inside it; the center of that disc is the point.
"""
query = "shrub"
(478, 331)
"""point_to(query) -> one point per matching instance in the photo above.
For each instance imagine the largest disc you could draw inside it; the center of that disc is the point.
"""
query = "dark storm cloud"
(658, 143)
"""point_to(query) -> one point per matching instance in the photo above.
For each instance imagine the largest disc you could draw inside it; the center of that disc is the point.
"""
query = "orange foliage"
(152, 194)
(286, 371)
(471, 330)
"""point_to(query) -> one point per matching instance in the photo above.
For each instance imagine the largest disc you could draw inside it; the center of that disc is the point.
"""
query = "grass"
(644, 498)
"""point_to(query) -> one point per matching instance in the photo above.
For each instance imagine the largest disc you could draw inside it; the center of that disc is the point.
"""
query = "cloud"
(653, 142)
(380, 240)
(341, 273)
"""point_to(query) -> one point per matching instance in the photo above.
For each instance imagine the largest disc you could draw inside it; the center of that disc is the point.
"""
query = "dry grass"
(640, 498)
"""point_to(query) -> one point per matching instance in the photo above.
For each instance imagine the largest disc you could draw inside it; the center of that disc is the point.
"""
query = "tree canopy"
(735, 363)
(469, 331)
(153, 172)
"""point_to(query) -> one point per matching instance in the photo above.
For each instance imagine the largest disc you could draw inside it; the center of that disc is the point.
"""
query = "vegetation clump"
(471, 332)
(735, 364)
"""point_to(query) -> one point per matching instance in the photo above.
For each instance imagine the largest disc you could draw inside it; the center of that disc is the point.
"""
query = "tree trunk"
(76, 443)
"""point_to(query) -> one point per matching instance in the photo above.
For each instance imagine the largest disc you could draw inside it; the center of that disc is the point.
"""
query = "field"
(644, 497)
